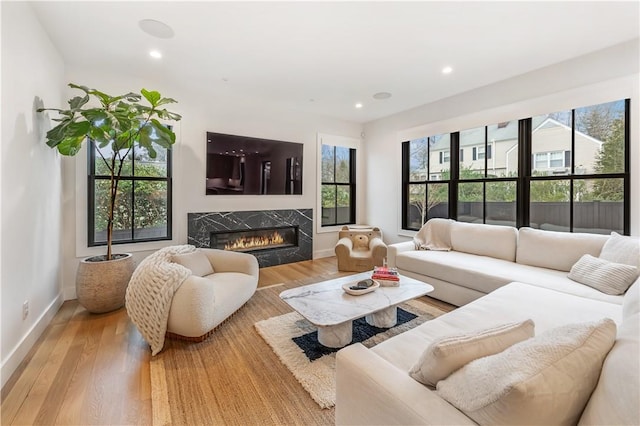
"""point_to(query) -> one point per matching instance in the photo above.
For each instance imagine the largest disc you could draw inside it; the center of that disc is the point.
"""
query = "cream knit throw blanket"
(151, 290)
(434, 235)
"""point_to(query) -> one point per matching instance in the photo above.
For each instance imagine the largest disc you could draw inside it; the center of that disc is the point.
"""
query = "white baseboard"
(69, 293)
(22, 349)
(318, 254)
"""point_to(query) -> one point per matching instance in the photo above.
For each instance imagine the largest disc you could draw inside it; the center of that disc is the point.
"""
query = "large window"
(486, 188)
(579, 169)
(338, 188)
(143, 207)
(566, 171)
(426, 175)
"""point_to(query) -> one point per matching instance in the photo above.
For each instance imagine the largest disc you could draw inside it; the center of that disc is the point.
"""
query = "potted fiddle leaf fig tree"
(115, 124)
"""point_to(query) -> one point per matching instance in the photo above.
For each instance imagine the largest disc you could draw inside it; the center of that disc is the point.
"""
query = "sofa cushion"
(608, 277)
(485, 240)
(448, 354)
(556, 250)
(486, 274)
(544, 380)
(622, 249)
(512, 303)
(197, 262)
(468, 270)
(631, 301)
(615, 399)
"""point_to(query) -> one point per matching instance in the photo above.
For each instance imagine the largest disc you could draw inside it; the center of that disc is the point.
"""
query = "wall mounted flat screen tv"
(241, 165)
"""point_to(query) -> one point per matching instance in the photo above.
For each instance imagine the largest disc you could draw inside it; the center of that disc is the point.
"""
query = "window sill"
(124, 248)
(327, 229)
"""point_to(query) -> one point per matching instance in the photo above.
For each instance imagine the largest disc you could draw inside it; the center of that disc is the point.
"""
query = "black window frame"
(572, 177)
(351, 184)
(524, 177)
(427, 181)
(92, 178)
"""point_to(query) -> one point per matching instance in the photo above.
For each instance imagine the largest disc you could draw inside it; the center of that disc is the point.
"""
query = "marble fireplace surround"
(200, 226)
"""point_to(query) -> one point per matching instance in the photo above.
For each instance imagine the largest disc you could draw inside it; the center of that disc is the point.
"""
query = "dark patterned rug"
(295, 341)
(361, 332)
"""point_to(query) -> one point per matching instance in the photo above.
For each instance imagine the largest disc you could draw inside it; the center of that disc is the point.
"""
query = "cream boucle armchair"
(181, 291)
(359, 249)
(219, 284)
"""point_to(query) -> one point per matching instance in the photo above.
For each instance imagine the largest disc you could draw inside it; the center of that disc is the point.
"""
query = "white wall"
(201, 113)
(32, 72)
(603, 76)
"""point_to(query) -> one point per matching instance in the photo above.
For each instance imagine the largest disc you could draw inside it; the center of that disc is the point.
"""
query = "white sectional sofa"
(485, 257)
(373, 386)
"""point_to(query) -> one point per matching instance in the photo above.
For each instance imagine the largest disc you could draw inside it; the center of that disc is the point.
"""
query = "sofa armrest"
(232, 261)
(372, 391)
(394, 249)
(344, 246)
(378, 248)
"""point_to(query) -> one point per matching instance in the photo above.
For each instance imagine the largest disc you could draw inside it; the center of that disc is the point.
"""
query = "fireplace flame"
(245, 243)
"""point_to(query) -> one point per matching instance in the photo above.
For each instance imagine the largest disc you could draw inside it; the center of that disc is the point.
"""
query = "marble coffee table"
(327, 306)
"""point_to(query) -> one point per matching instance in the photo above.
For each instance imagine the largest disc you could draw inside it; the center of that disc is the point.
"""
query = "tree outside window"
(577, 172)
(338, 185)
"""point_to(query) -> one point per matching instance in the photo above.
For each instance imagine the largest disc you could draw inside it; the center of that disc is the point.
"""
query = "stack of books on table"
(387, 277)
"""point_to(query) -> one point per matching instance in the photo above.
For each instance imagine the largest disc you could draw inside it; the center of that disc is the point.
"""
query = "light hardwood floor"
(94, 369)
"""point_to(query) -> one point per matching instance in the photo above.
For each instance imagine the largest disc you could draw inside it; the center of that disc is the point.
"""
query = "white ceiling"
(323, 57)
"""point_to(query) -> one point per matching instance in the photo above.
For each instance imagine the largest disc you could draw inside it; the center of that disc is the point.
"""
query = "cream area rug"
(294, 340)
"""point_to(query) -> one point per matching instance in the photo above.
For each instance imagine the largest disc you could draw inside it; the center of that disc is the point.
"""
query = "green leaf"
(57, 134)
(164, 140)
(77, 129)
(152, 152)
(104, 142)
(70, 146)
(98, 135)
(143, 109)
(165, 101)
(132, 97)
(166, 136)
(83, 88)
(104, 98)
(174, 116)
(94, 115)
(146, 135)
(77, 102)
(152, 96)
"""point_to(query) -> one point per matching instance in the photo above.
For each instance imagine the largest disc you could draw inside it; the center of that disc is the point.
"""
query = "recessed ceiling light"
(358, 105)
(155, 54)
(156, 28)
(382, 95)
(447, 70)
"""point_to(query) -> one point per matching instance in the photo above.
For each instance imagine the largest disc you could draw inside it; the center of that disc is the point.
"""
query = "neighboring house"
(551, 150)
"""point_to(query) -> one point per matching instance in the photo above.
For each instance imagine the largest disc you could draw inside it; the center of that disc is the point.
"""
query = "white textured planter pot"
(101, 286)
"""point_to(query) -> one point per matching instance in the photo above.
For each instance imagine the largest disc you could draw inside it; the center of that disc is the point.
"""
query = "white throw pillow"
(608, 277)
(544, 380)
(448, 354)
(196, 261)
(622, 249)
